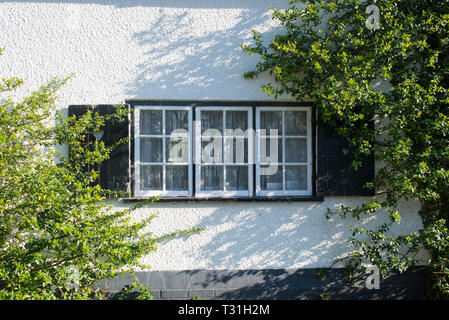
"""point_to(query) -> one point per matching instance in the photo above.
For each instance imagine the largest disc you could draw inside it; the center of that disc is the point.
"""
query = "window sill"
(230, 199)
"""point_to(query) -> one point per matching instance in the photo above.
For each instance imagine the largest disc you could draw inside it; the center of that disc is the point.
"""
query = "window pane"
(295, 150)
(177, 149)
(150, 177)
(271, 120)
(296, 177)
(236, 122)
(151, 122)
(236, 150)
(271, 177)
(177, 178)
(237, 178)
(211, 123)
(270, 150)
(176, 120)
(211, 178)
(211, 150)
(151, 149)
(295, 123)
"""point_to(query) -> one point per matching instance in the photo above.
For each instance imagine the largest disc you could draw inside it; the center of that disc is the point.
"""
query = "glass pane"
(236, 122)
(150, 177)
(151, 122)
(177, 149)
(296, 177)
(295, 150)
(296, 123)
(211, 178)
(236, 150)
(270, 150)
(271, 120)
(151, 149)
(211, 150)
(177, 178)
(178, 121)
(211, 123)
(271, 177)
(236, 178)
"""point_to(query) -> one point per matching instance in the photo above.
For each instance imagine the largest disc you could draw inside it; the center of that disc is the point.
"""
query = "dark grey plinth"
(271, 284)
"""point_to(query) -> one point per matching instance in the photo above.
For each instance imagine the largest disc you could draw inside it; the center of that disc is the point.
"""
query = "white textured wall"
(159, 49)
(176, 49)
(258, 235)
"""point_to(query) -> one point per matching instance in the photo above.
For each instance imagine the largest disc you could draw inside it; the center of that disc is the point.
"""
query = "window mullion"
(257, 151)
(137, 150)
(223, 155)
(164, 169)
(250, 140)
(283, 150)
(198, 140)
(191, 152)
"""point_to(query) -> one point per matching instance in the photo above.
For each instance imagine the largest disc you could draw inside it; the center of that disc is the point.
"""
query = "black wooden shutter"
(335, 176)
(114, 173)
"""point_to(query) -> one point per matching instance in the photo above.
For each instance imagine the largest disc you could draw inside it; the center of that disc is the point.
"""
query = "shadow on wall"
(172, 49)
(262, 251)
(249, 236)
(182, 57)
(264, 237)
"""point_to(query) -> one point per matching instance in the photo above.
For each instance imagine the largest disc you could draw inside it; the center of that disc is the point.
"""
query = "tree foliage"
(327, 54)
(58, 237)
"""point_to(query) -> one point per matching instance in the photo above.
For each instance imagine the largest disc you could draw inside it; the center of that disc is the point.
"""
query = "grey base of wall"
(285, 284)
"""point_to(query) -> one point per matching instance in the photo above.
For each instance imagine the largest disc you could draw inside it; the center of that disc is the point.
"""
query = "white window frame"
(284, 192)
(149, 193)
(197, 147)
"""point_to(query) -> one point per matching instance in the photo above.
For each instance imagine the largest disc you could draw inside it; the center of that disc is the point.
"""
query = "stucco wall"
(176, 49)
(258, 235)
(160, 49)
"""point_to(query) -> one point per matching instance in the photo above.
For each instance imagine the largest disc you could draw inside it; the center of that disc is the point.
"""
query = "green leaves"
(53, 218)
(327, 55)
(395, 216)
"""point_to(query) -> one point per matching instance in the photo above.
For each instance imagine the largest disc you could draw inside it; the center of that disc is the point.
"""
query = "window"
(284, 151)
(224, 151)
(220, 149)
(163, 151)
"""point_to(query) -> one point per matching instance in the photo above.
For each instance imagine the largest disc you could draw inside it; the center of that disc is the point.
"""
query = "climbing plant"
(58, 236)
(390, 59)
